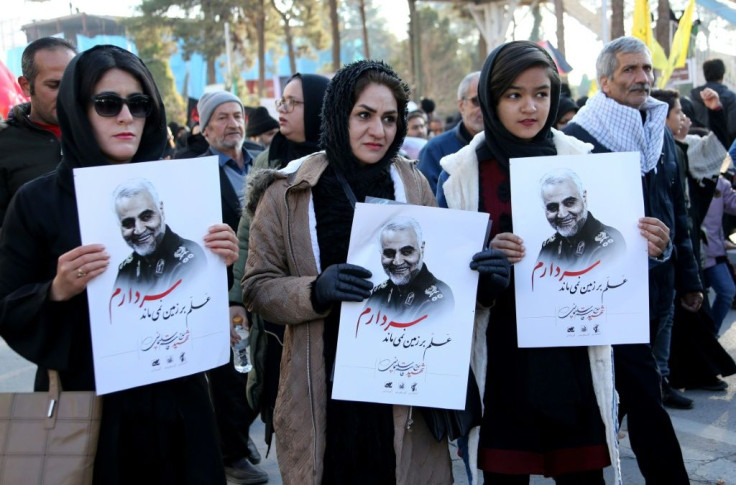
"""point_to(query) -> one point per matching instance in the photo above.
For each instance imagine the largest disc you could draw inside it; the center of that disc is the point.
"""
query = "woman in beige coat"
(296, 275)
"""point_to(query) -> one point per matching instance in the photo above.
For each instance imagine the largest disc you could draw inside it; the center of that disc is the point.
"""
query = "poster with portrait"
(409, 343)
(160, 309)
(584, 280)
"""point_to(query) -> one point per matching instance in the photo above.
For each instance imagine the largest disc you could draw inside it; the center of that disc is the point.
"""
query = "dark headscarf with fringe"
(78, 143)
(314, 87)
(358, 436)
(339, 102)
(500, 144)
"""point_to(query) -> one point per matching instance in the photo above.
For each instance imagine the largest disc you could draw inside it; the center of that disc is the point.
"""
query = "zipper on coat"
(310, 391)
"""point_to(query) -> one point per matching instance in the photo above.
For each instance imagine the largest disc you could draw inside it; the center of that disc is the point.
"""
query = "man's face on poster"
(565, 207)
(141, 222)
(401, 255)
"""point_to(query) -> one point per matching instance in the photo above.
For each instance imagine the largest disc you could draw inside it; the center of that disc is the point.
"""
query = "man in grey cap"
(222, 119)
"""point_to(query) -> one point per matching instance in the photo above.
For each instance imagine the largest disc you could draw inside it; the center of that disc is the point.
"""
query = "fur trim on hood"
(255, 186)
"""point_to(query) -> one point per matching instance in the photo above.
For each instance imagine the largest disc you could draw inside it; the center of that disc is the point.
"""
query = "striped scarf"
(620, 129)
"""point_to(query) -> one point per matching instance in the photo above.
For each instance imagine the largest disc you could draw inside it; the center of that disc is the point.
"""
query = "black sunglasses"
(108, 105)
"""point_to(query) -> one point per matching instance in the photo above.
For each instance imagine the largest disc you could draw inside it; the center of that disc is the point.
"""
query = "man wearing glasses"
(453, 140)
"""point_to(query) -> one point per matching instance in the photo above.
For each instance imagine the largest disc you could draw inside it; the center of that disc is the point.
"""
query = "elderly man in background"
(453, 140)
(222, 118)
(624, 117)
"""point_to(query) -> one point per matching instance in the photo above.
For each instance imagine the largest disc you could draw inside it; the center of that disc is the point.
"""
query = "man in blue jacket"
(453, 140)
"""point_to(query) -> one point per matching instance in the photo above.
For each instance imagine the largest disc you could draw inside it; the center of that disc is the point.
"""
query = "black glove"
(341, 282)
(495, 274)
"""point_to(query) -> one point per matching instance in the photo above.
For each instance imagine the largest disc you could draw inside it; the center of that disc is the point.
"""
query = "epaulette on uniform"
(604, 239)
(551, 239)
(183, 254)
(127, 261)
(380, 286)
(434, 293)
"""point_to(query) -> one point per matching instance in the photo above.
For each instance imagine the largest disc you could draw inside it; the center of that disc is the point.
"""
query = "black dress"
(535, 421)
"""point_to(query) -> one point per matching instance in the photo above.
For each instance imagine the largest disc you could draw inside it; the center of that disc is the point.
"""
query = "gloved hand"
(495, 274)
(341, 282)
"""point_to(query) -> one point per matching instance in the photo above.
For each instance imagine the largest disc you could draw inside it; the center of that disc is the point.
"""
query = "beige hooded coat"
(282, 264)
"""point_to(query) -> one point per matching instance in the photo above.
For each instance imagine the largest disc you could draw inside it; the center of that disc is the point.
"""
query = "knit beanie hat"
(209, 102)
(259, 121)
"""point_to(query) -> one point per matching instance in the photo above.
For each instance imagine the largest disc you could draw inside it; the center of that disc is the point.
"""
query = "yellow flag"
(680, 45)
(642, 30)
(681, 40)
(593, 88)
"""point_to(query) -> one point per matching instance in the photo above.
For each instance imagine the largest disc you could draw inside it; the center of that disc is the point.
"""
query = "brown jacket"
(279, 272)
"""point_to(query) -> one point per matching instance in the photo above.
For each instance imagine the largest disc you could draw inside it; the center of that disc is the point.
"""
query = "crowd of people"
(289, 188)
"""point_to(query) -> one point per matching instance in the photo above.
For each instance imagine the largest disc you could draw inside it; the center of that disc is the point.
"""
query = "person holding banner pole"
(547, 411)
(110, 112)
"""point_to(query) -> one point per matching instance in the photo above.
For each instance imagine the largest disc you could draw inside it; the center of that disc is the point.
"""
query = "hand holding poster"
(409, 343)
(160, 310)
(584, 280)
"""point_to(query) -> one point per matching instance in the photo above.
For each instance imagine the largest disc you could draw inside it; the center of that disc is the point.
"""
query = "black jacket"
(728, 100)
(663, 199)
(27, 151)
(165, 429)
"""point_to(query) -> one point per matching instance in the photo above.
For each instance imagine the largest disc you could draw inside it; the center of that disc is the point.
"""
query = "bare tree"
(366, 45)
(662, 28)
(617, 19)
(559, 14)
(335, 25)
(285, 11)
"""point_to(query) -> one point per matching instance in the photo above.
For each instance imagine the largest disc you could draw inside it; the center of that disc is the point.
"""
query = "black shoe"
(715, 385)
(673, 398)
(244, 472)
(253, 455)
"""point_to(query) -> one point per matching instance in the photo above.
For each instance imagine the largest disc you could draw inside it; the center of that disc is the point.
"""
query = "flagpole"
(604, 15)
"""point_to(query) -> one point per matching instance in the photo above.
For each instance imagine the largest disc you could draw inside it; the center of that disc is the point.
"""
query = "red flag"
(10, 91)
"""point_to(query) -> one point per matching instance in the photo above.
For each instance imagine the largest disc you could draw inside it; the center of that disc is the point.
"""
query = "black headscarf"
(314, 87)
(500, 144)
(358, 435)
(336, 109)
(78, 144)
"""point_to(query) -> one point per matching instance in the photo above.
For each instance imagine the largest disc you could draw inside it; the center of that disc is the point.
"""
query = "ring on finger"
(80, 273)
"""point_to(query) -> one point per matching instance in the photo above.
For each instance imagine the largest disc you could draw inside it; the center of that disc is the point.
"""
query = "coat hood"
(314, 87)
(78, 144)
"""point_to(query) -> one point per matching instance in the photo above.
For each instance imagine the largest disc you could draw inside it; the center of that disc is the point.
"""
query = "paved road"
(707, 433)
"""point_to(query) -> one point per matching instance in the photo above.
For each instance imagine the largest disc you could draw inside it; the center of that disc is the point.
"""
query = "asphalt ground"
(707, 433)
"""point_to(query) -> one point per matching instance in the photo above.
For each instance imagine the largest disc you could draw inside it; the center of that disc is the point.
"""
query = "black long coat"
(162, 433)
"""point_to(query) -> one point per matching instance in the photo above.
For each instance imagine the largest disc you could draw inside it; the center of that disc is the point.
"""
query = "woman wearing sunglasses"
(109, 112)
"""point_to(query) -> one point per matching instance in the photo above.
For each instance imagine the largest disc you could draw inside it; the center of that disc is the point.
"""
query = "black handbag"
(453, 423)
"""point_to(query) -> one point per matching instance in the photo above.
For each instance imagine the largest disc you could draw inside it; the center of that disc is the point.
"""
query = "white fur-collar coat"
(461, 190)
